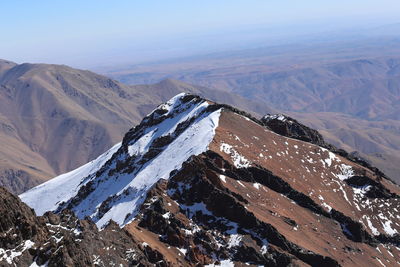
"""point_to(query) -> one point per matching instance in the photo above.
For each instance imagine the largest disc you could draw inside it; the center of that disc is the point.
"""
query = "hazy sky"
(88, 32)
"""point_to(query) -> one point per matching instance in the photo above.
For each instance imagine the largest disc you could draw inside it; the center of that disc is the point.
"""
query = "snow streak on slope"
(165, 139)
(193, 141)
(48, 195)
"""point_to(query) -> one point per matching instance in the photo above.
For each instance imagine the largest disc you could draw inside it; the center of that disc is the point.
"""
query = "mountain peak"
(167, 137)
(197, 174)
(5, 65)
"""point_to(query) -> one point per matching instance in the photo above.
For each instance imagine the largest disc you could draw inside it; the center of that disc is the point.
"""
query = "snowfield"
(47, 196)
(128, 189)
(193, 141)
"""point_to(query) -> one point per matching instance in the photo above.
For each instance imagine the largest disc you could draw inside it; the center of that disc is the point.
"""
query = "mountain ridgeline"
(200, 183)
(55, 118)
(349, 91)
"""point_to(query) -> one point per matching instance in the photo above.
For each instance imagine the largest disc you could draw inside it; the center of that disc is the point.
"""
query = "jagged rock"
(290, 127)
(63, 240)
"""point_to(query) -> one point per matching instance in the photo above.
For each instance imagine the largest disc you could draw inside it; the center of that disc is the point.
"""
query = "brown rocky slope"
(258, 195)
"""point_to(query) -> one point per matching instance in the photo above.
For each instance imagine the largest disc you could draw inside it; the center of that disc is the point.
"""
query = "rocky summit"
(198, 183)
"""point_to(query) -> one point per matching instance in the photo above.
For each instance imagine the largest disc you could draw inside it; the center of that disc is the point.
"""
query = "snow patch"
(332, 157)
(346, 172)
(182, 250)
(34, 264)
(239, 182)
(388, 229)
(329, 208)
(223, 263)
(280, 117)
(238, 160)
(10, 254)
(234, 240)
(370, 225)
(223, 178)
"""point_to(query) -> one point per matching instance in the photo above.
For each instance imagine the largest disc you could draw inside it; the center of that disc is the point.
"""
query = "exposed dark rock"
(226, 208)
(63, 240)
(289, 127)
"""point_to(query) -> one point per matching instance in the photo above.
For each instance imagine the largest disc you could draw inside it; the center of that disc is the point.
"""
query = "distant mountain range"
(364, 88)
(55, 118)
(349, 90)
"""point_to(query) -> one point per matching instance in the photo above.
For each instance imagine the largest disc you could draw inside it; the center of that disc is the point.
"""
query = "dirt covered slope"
(264, 199)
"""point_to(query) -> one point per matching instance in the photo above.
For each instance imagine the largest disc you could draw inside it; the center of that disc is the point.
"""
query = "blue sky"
(85, 32)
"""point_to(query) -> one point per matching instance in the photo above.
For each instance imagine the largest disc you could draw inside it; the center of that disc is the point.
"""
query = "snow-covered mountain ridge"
(105, 190)
(205, 183)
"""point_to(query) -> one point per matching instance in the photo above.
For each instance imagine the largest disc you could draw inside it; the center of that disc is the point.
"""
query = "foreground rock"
(63, 240)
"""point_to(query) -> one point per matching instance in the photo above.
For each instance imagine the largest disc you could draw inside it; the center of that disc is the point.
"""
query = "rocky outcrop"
(289, 127)
(211, 216)
(63, 240)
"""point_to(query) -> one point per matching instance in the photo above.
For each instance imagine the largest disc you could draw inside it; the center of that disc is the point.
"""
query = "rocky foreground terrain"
(198, 183)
